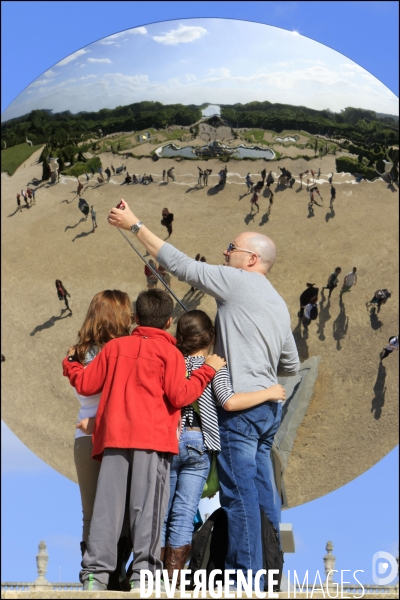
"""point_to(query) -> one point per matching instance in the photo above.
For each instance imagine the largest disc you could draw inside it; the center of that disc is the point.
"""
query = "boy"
(332, 281)
(391, 347)
(144, 386)
(349, 281)
(310, 313)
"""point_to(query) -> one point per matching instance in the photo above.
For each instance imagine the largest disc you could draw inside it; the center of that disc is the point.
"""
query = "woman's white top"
(89, 404)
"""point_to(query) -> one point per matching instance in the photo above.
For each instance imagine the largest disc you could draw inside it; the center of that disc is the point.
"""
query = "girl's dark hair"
(194, 332)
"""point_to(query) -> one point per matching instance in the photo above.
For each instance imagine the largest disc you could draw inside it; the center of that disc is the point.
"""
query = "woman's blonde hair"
(109, 316)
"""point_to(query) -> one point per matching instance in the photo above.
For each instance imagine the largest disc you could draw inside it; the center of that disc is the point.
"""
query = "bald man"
(254, 335)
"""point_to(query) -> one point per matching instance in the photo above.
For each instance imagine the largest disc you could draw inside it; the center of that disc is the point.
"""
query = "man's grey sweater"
(253, 331)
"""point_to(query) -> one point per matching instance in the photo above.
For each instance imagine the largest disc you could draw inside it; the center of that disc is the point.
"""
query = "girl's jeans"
(189, 472)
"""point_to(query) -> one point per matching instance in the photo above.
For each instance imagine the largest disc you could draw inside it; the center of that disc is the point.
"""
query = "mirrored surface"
(193, 94)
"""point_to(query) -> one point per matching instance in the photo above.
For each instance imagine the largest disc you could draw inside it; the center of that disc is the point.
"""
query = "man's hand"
(215, 361)
(122, 218)
(86, 425)
(276, 392)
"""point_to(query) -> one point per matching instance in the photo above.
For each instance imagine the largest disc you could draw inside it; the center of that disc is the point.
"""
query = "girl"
(109, 316)
(254, 201)
(199, 437)
(62, 294)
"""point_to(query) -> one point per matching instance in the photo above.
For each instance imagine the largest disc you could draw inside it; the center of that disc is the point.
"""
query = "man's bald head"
(262, 245)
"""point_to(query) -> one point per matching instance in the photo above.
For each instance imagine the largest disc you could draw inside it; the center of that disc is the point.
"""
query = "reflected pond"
(172, 151)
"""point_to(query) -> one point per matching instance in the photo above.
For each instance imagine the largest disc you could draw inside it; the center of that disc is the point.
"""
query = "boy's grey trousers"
(145, 475)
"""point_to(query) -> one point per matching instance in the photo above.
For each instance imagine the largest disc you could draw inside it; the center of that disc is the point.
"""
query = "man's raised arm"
(211, 279)
(124, 219)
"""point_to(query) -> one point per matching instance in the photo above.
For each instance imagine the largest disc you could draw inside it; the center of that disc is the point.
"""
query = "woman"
(151, 278)
(109, 316)
(199, 437)
(62, 293)
(166, 220)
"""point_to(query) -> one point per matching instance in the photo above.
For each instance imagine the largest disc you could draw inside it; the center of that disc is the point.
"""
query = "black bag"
(210, 547)
(272, 554)
(314, 313)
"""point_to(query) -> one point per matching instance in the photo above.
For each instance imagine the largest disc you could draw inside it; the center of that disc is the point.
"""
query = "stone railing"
(16, 586)
(360, 591)
(27, 587)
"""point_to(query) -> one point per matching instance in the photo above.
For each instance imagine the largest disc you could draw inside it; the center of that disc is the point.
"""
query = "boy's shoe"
(93, 585)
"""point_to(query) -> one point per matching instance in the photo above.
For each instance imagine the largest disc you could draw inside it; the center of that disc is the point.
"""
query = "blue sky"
(38, 503)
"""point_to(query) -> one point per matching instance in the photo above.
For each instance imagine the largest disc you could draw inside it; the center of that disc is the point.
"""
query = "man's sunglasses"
(232, 247)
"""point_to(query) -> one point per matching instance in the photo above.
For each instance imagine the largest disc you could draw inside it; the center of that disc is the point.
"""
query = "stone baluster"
(329, 563)
(42, 558)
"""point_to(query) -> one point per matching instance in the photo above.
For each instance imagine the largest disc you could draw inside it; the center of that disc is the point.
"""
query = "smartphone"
(120, 205)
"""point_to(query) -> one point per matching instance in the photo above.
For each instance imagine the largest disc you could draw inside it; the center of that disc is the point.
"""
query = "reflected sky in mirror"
(200, 61)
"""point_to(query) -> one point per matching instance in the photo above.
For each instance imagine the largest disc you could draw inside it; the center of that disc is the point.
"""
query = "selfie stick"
(153, 270)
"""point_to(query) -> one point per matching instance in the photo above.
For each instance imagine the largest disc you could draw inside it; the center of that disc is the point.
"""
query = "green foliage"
(45, 169)
(45, 152)
(345, 164)
(82, 168)
(12, 158)
(61, 163)
(380, 166)
(257, 135)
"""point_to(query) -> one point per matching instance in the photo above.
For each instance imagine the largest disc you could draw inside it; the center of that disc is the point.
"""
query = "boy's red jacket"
(143, 382)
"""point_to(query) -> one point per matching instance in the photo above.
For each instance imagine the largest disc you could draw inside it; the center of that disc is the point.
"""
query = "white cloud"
(71, 57)
(182, 35)
(108, 41)
(353, 67)
(41, 82)
(138, 30)
(87, 77)
(190, 77)
(100, 60)
(174, 82)
(50, 73)
(219, 74)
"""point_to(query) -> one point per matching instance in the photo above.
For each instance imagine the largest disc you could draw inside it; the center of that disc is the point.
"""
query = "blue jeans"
(189, 472)
(247, 481)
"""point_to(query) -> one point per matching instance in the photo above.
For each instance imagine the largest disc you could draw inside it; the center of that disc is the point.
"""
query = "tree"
(46, 169)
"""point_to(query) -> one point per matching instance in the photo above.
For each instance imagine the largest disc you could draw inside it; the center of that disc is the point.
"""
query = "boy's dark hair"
(154, 308)
(194, 332)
